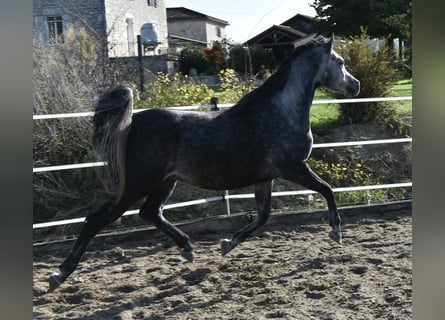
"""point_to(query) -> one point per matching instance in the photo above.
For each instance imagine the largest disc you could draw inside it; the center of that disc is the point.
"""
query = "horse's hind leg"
(93, 224)
(152, 211)
(303, 175)
(263, 193)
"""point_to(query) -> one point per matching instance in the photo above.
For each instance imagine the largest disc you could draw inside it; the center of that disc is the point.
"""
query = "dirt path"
(291, 273)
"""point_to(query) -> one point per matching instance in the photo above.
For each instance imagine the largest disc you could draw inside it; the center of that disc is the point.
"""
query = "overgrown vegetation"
(178, 90)
(65, 80)
(233, 87)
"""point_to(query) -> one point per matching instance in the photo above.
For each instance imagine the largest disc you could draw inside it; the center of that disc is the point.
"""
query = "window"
(152, 3)
(218, 32)
(55, 29)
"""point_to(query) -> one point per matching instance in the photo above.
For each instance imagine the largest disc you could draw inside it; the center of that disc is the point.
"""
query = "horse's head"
(333, 74)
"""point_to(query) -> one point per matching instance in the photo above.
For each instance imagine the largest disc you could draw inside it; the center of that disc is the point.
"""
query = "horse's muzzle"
(353, 88)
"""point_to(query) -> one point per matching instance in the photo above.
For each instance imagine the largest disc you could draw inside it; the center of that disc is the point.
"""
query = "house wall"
(212, 32)
(108, 19)
(75, 13)
(195, 29)
(118, 13)
(201, 30)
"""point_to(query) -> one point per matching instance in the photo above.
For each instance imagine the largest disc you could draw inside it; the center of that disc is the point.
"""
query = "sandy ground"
(291, 272)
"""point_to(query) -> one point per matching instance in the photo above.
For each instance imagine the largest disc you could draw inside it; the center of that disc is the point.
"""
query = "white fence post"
(227, 201)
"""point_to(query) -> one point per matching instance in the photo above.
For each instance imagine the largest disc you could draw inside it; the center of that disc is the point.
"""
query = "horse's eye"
(341, 62)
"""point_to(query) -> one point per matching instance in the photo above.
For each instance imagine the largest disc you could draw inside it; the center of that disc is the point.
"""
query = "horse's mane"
(279, 78)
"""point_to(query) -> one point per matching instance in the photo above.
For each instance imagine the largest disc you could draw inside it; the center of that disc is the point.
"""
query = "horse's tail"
(112, 122)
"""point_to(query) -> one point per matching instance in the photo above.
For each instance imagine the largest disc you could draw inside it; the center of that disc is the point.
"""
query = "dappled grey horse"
(265, 135)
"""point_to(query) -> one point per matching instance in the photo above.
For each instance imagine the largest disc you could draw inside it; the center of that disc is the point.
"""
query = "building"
(282, 38)
(114, 23)
(191, 28)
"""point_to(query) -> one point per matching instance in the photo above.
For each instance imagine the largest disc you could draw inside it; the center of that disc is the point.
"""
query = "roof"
(298, 17)
(181, 13)
(288, 32)
(277, 34)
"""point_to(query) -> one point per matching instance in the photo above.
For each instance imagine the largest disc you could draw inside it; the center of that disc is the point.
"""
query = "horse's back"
(156, 137)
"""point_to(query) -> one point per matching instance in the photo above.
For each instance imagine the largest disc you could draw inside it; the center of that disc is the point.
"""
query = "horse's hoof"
(54, 281)
(226, 246)
(188, 255)
(336, 236)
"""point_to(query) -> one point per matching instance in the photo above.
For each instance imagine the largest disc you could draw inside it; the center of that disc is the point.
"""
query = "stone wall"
(88, 14)
(108, 20)
(119, 14)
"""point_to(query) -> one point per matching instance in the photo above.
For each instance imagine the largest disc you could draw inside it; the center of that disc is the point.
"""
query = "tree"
(241, 59)
(382, 18)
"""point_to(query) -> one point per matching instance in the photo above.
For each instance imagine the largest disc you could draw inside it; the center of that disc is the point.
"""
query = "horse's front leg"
(304, 176)
(263, 193)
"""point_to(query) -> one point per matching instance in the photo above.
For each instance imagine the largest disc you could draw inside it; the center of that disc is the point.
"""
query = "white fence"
(226, 197)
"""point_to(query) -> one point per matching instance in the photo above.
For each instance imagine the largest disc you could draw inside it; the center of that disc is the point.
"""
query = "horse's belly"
(225, 177)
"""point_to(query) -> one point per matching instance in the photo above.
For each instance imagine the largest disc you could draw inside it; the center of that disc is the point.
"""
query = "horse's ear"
(331, 43)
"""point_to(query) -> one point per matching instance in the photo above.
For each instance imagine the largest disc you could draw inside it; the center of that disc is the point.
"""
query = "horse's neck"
(295, 99)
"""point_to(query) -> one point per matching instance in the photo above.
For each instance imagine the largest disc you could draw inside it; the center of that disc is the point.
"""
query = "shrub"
(178, 90)
(375, 70)
(215, 57)
(192, 58)
(233, 87)
(65, 79)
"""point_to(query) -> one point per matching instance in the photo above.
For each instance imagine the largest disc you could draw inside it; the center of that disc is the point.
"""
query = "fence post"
(214, 102)
(141, 63)
(227, 201)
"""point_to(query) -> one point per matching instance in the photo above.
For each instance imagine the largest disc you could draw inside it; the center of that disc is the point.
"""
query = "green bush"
(181, 90)
(234, 88)
(192, 58)
(376, 73)
(178, 90)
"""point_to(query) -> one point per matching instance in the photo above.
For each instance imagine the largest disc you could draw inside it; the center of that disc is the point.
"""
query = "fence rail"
(223, 105)
(233, 196)
(314, 146)
(226, 197)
